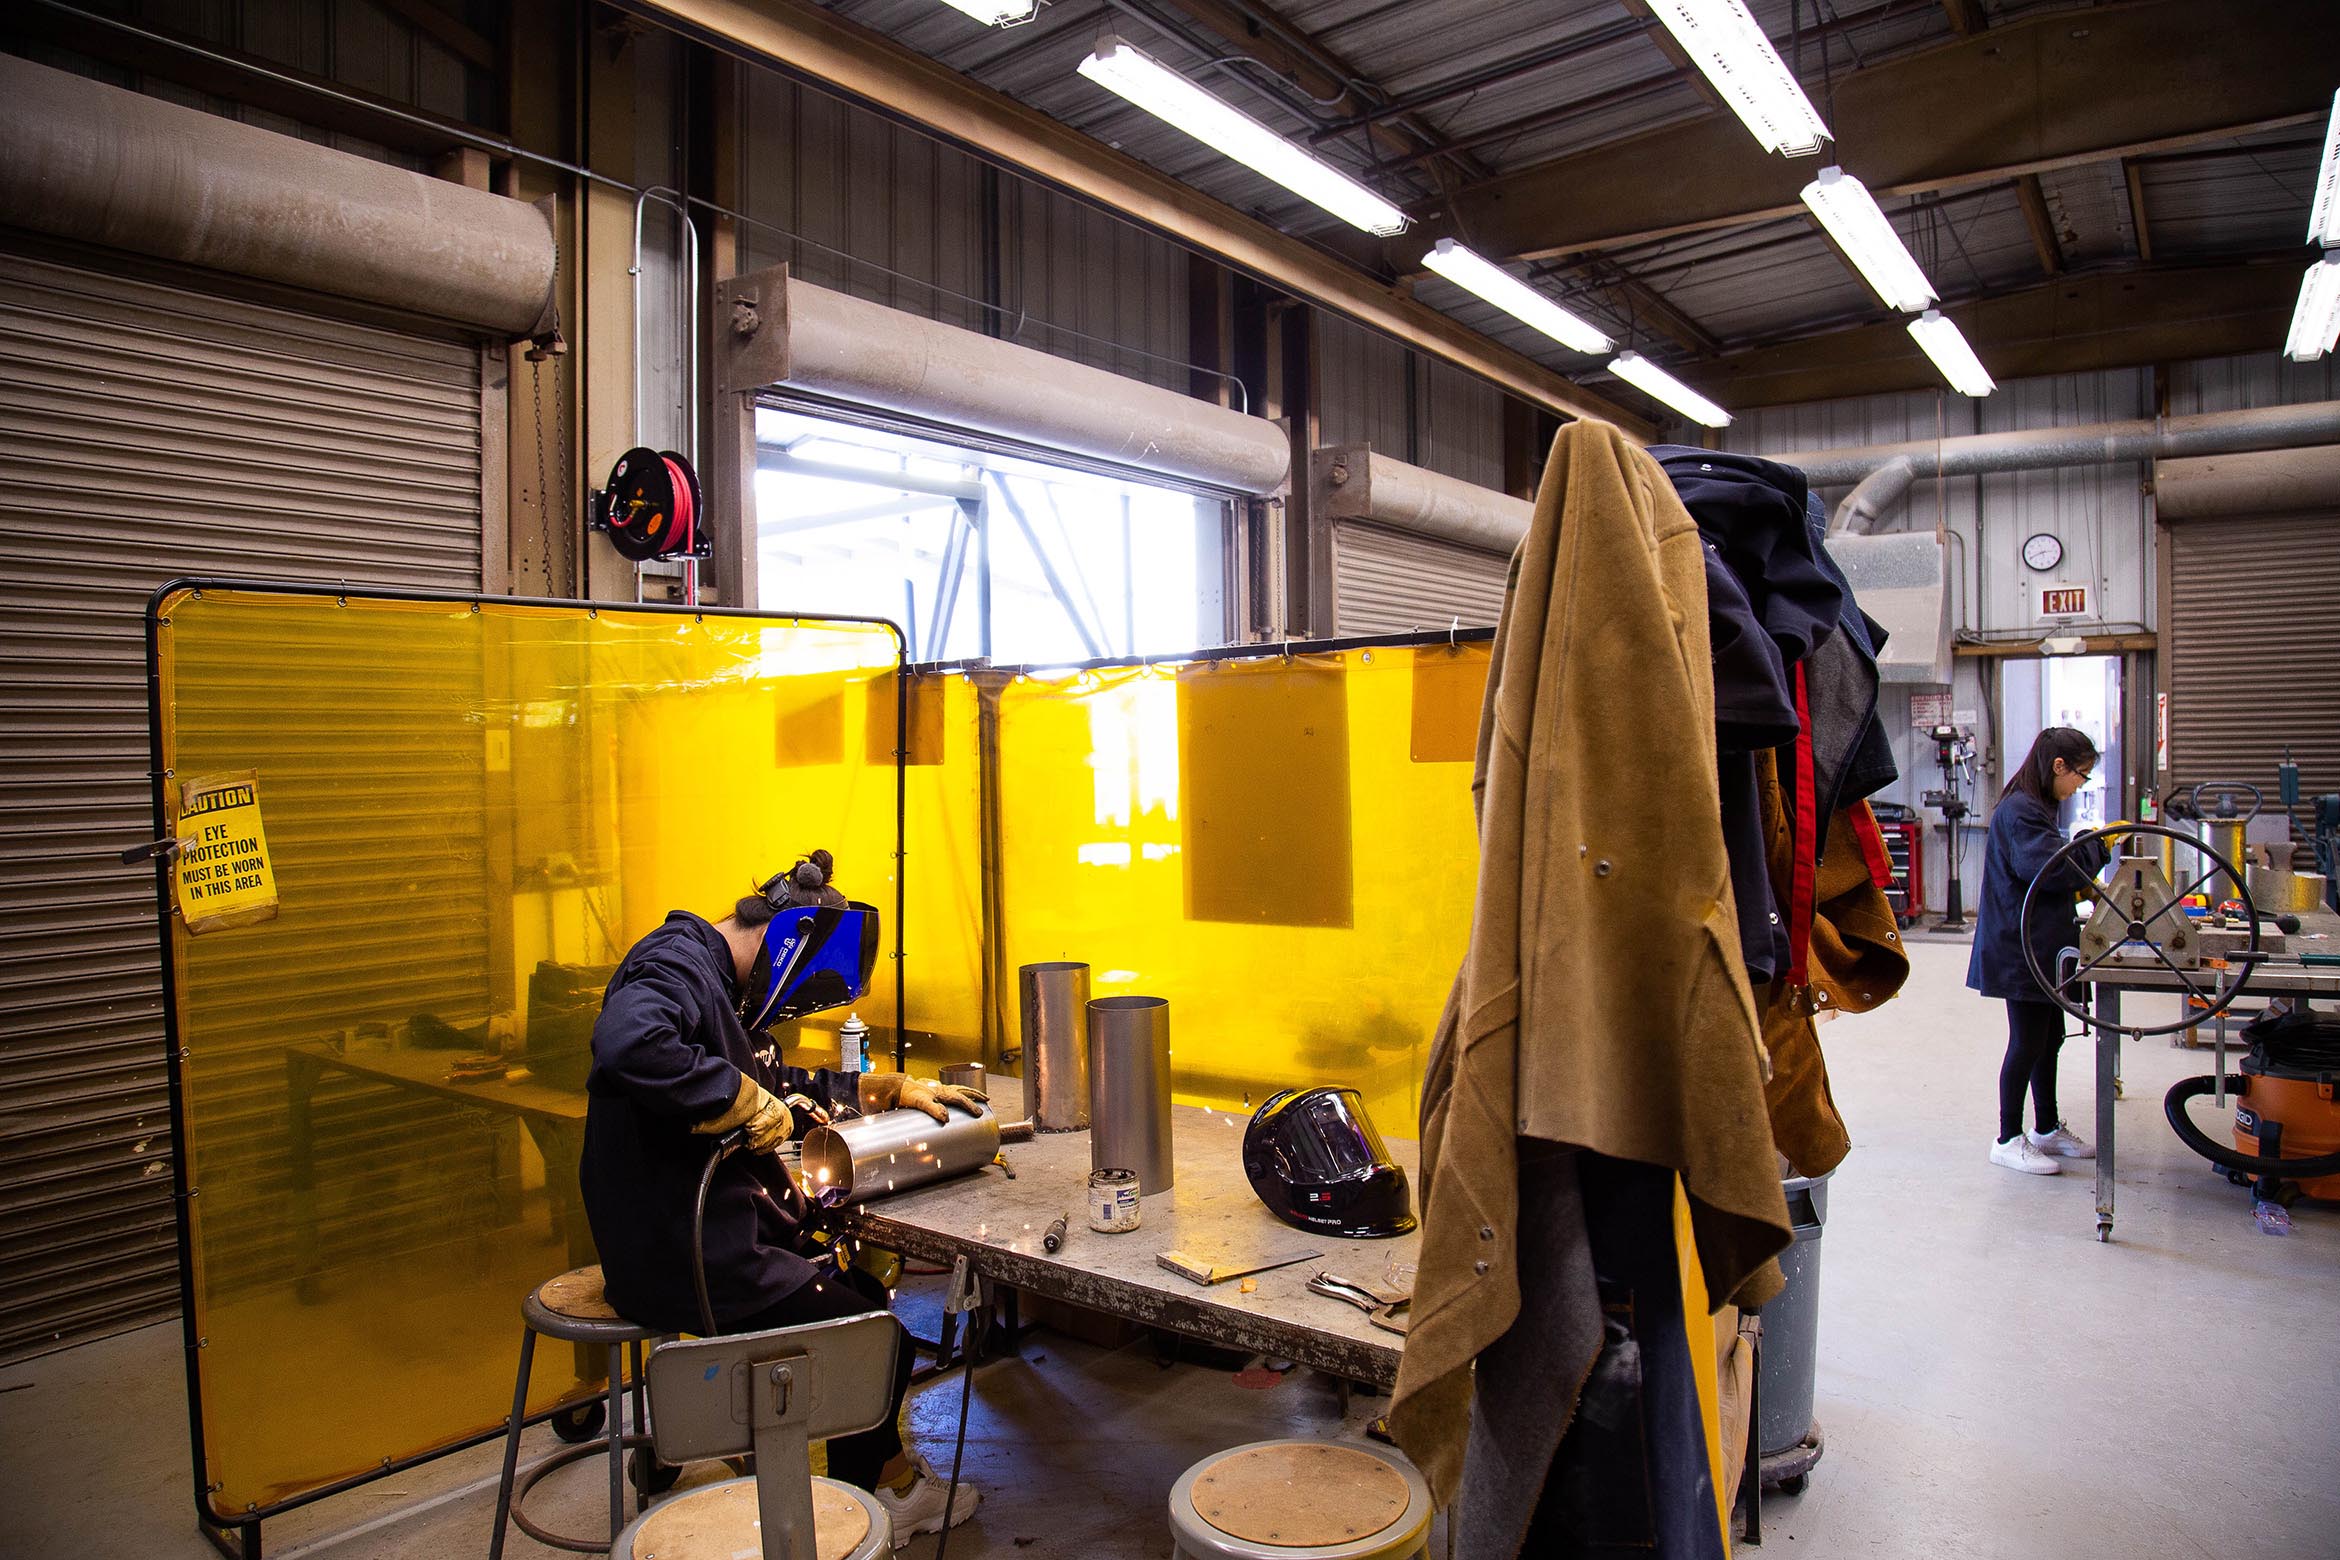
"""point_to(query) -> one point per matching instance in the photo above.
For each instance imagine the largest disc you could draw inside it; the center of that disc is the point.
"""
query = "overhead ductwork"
(1352, 482)
(86, 161)
(2259, 482)
(1902, 580)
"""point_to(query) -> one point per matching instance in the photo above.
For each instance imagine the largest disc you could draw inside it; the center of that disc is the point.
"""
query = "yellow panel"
(1267, 852)
(1448, 684)
(472, 811)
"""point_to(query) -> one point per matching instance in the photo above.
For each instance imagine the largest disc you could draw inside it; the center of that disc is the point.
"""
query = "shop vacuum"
(2287, 1108)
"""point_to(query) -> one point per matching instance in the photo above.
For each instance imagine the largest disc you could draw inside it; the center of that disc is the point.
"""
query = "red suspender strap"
(1807, 838)
(1873, 849)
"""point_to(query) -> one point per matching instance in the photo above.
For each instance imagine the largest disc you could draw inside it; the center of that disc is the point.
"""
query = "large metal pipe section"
(865, 352)
(1883, 473)
(1129, 1089)
(1054, 1010)
(895, 1151)
(1352, 482)
(2255, 482)
(83, 160)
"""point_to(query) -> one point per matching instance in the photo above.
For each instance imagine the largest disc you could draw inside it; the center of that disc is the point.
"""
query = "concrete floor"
(1994, 1384)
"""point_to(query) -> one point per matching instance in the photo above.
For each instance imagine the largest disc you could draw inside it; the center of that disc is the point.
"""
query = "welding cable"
(978, 1327)
(724, 1146)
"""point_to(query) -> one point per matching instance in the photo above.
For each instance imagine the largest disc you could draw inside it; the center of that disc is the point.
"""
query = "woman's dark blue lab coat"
(2023, 836)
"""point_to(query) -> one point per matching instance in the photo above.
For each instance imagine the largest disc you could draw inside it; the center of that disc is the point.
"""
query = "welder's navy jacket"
(2024, 834)
(668, 1052)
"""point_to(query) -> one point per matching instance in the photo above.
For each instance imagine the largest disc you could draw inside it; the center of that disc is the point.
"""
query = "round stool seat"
(719, 1522)
(1301, 1500)
(572, 1308)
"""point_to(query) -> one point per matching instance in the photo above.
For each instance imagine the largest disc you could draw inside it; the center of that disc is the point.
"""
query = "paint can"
(1113, 1201)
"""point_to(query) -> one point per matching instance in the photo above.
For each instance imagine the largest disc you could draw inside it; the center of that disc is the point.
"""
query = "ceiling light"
(996, 13)
(2324, 216)
(2315, 324)
(1942, 340)
(1182, 105)
(1654, 381)
(1844, 206)
(1723, 41)
(1513, 296)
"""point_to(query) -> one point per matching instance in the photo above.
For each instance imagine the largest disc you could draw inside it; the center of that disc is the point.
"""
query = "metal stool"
(773, 1394)
(572, 1309)
(1301, 1500)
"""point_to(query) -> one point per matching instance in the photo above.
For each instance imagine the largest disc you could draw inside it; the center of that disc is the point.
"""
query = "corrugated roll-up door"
(2253, 651)
(154, 428)
(1386, 582)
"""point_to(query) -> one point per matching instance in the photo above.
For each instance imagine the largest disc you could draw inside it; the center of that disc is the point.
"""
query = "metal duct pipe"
(1129, 1089)
(895, 1151)
(1352, 482)
(83, 160)
(845, 347)
(1054, 1010)
(2257, 482)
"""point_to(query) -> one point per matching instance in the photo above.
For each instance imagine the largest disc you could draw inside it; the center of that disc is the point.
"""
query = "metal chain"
(543, 477)
(573, 583)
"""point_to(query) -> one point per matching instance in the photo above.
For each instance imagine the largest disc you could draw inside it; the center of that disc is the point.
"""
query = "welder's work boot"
(2018, 1154)
(919, 1508)
(2061, 1143)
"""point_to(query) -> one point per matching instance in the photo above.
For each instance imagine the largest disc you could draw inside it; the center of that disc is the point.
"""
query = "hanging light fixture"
(1851, 216)
(1733, 53)
(2315, 323)
(1475, 274)
(996, 13)
(1945, 343)
(1656, 383)
(1226, 129)
(2324, 216)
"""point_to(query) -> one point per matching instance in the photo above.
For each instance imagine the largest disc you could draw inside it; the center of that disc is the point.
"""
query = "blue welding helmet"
(813, 957)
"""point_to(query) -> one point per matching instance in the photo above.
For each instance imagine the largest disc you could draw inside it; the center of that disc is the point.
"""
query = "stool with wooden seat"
(572, 1308)
(1301, 1500)
(773, 1394)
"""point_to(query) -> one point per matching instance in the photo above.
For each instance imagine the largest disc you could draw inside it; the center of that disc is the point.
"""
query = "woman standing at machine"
(2025, 833)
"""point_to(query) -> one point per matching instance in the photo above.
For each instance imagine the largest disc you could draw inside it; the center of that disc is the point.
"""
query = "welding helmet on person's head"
(1314, 1158)
(818, 948)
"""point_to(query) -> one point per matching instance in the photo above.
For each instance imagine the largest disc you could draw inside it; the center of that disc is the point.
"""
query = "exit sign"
(2063, 600)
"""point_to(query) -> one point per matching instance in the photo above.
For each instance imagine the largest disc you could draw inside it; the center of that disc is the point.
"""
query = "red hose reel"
(651, 507)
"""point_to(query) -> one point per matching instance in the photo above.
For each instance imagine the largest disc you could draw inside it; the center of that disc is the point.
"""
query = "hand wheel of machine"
(2215, 996)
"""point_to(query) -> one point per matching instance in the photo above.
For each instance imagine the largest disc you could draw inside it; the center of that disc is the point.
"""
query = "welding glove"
(761, 1112)
(900, 1091)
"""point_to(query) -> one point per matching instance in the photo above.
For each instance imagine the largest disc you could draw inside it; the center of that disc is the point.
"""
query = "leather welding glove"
(761, 1112)
(900, 1091)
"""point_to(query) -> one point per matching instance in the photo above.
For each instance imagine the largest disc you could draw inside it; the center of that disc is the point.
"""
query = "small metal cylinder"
(1055, 1039)
(964, 1075)
(1129, 1089)
(895, 1151)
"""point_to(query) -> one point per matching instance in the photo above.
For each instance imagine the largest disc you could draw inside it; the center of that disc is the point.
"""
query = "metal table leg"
(2108, 1068)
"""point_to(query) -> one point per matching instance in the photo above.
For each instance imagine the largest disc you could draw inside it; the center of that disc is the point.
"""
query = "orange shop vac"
(2287, 1107)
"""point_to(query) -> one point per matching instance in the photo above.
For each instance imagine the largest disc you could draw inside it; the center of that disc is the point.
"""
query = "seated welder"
(681, 1060)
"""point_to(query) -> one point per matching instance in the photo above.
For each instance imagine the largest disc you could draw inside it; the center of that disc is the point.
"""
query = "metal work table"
(2274, 977)
(1211, 1213)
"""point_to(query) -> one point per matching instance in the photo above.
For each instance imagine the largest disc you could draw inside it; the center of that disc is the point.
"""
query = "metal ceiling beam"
(893, 81)
(2076, 324)
(2036, 221)
(2048, 91)
(1966, 16)
(2133, 172)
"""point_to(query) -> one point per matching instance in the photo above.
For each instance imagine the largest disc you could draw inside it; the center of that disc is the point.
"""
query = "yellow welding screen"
(470, 812)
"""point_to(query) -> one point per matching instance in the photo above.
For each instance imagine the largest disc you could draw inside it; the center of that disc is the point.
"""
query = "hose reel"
(652, 507)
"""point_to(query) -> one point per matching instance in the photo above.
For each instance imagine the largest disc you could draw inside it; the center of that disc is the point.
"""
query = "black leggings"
(2035, 1032)
(854, 1459)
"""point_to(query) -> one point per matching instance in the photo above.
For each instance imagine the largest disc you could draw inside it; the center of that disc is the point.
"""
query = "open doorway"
(2083, 691)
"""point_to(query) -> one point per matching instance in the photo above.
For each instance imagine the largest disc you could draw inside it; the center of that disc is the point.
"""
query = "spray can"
(853, 1043)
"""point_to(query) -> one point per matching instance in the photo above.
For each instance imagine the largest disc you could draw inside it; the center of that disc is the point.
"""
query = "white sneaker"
(2018, 1154)
(2061, 1143)
(919, 1509)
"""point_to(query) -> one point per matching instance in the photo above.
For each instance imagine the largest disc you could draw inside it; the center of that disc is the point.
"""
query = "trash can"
(1786, 1436)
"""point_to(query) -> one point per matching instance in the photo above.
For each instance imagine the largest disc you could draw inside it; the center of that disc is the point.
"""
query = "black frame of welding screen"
(213, 1524)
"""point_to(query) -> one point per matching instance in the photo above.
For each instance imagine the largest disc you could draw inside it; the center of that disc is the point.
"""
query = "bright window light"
(1654, 381)
(2324, 216)
(2315, 324)
(1723, 41)
(1946, 344)
(1844, 206)
(996, 13)
(1513, 296)
(1228, 130)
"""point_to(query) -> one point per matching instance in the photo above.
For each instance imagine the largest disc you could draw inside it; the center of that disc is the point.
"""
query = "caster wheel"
(648, 1474)
(582, 1423)
(1795, 1485)
(2236, 1178)
(2103, 1234)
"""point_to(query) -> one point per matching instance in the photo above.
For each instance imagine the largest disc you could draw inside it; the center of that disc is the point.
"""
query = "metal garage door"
(150, 428)
(2253, 646)
(1387, 582)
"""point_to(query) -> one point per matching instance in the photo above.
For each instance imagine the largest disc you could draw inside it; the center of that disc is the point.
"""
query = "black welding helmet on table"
(1314, 1158)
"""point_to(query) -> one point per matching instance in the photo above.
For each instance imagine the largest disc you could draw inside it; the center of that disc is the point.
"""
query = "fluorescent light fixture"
(1514, 297)
(1851, 215)
(1228, 130)
(996, 13)
(1654, 381)
(1724, 42)
(2324, 216)
(1946, 344)
(2315, 323)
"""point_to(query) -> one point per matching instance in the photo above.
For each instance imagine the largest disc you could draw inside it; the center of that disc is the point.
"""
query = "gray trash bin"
(1785, 1434)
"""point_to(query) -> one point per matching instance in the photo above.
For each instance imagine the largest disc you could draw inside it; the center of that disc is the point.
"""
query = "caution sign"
(224, 876)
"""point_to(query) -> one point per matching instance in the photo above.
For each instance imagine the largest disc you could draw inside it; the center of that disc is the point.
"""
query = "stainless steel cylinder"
(895, 1151)
(1056, 1048)
(964, 1075)
(1129, 1089)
